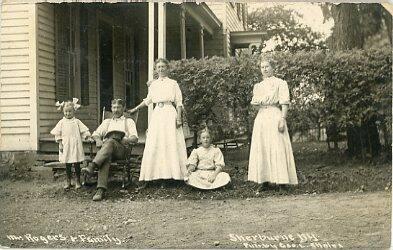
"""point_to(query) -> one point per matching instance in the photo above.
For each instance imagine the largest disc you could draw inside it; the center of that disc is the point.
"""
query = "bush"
(342, 88)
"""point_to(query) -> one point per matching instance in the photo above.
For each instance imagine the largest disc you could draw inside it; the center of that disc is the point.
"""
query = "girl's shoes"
(68, 186)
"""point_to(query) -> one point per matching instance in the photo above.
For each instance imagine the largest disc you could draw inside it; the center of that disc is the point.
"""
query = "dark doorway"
(106, 65)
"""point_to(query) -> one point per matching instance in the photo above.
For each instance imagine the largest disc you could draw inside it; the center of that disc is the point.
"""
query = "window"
(84, 56)
(64, 61)
(71, 74)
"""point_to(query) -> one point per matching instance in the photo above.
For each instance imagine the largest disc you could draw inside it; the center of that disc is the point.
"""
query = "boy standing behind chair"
(111, 137)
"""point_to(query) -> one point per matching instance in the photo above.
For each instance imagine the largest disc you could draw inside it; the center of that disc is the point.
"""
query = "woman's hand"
(281, 125)
(179, 122)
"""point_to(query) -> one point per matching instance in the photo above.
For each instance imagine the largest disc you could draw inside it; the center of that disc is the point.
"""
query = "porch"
(97, 52)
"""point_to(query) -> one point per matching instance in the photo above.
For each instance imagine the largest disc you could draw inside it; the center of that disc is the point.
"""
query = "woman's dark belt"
(162, 104)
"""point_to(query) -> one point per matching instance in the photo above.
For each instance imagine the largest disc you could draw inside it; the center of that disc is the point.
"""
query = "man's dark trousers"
(111, 150)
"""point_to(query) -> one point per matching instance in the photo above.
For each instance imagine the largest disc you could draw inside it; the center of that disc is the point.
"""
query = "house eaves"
(204, 16)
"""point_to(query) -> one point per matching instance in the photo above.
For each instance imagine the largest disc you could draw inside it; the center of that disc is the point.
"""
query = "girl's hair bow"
(59, 105)
(74, 103)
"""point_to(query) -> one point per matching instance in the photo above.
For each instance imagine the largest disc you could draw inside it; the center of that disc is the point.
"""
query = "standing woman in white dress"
(165, 154)
(271, 157)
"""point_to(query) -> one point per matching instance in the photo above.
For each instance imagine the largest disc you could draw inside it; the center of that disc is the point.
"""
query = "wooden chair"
(130, 165)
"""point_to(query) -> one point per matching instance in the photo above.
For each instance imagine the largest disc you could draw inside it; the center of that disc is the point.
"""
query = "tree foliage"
(281, 25)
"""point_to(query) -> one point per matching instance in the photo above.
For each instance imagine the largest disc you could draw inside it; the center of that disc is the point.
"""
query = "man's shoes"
(89, 170)
(99, 195)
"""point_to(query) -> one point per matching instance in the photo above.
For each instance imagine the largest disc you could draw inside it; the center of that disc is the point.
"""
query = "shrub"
(342, 88)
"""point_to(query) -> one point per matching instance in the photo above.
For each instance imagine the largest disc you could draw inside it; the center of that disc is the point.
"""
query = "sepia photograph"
(195, 125)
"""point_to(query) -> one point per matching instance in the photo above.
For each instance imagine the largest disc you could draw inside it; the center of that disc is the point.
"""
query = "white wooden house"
(96, 52)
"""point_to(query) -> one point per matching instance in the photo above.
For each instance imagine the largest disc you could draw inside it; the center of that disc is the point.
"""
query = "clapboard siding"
(227, 14)
(15, 80)
(233, 21)
(48, 114)
(18, 109)
(14, 102)
(14, 59)
(13, 30)
(16, 131)
(15, 52)
(14, 141)
(14, 87)
(18, 121)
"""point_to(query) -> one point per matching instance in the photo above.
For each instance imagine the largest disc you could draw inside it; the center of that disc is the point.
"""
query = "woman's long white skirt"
(165, 154)
(271, 156)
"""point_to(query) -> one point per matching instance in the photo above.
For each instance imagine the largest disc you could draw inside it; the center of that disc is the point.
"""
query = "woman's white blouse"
(164, 90)
(271, 91)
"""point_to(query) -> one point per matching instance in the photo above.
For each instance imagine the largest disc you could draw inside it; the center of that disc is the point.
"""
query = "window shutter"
(63, 55)
(84, 57)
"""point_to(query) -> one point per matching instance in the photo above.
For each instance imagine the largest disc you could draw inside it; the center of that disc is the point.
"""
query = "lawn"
(319, 171)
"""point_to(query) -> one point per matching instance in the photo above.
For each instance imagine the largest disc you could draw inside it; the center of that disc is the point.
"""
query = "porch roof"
(243, 39)
(203, 15)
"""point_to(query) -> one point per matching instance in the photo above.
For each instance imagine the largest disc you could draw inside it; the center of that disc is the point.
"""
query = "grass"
(319, 171)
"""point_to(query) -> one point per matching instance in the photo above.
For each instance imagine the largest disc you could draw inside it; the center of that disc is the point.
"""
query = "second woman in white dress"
(165, 154)
(271, 157)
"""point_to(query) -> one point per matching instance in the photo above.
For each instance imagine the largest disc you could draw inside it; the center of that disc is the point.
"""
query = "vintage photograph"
(195, 125)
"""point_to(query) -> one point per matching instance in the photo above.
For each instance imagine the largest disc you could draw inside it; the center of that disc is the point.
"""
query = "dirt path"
(28, 210)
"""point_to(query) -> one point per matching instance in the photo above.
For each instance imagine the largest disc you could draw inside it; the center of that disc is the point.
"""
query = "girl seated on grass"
(205, 164)
(69, 133)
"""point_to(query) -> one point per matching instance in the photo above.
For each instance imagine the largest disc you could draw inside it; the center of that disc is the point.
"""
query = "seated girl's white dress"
(165, 155)
(271, 158)
(207, 160)
(70, 132)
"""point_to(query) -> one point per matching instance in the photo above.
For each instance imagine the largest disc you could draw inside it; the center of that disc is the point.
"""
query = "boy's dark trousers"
(112, 149)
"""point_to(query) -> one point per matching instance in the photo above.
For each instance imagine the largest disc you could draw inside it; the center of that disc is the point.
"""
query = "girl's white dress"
(71, 131)
(165, 154)
(271, 156)
(206, 161)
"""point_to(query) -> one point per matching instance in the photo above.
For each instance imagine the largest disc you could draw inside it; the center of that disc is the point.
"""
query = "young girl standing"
(69, 133)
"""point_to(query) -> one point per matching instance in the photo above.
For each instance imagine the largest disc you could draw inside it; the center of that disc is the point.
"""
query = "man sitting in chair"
(111, 137)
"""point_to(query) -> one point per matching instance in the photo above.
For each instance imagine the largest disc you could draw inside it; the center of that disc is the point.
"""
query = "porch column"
(161, 30)
(150, 52)
(183, 46)
(201, 41)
